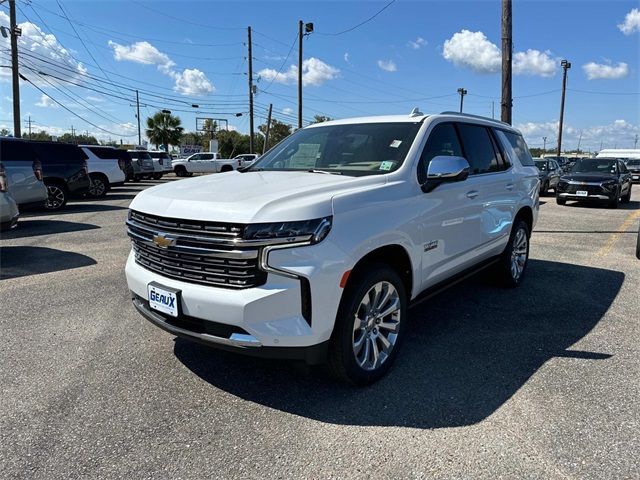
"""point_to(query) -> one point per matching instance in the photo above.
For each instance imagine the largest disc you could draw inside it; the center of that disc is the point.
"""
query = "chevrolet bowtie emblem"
(164, 241)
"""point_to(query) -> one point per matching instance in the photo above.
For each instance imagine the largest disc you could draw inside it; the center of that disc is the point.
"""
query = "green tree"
(194, 138)
(78, 139)
(278, 132)
(4, 132)
(321, 118)
(164, 129)
(41, 135)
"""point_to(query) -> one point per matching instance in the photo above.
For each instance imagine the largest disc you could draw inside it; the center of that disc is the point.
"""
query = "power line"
(361, 23)
(295, 40)
(211, 27)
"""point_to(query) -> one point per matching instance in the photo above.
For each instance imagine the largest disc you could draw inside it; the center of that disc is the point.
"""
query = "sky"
(84, 61)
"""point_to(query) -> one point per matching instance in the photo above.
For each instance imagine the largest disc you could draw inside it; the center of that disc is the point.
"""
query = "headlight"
(313, 231)
(609, 184)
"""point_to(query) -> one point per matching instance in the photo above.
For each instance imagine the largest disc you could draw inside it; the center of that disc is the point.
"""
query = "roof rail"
(475, 116)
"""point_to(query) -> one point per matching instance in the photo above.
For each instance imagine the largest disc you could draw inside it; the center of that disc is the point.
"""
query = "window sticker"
(395, 143)
(387, 165)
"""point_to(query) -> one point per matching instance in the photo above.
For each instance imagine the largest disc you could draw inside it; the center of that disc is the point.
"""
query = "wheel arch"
(525, 213)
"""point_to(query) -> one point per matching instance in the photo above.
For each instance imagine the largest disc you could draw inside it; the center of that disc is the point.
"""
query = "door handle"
(510, 186)
(472, 194)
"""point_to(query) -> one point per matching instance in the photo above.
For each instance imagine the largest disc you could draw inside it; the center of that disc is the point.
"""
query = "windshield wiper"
(313, 170)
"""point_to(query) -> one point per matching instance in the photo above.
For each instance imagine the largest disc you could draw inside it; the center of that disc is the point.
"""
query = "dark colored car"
(64, 167)
(599, 179)
(563, 162)
(633, 165)
(549, 174)
(127, 164)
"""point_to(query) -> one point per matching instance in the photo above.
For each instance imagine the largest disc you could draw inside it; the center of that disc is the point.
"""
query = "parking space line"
(616, 236)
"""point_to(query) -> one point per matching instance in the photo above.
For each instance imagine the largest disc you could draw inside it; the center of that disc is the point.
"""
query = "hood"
(251, 197)
(589, 177)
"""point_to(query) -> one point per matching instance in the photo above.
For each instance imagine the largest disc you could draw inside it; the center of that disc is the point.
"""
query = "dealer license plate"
(636, 177)
(582, 193)
(163, 299)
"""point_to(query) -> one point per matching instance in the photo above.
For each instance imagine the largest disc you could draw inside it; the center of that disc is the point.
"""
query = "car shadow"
(85, 207)
(467, 352)
(34, 228)
(632, 205)
(24, 261)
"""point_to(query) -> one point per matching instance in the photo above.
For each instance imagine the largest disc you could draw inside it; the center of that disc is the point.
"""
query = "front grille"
(202, 252)
(591, 189)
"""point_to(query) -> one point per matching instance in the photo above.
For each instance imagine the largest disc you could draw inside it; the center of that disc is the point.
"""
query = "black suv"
(633, 165)
(64, 167)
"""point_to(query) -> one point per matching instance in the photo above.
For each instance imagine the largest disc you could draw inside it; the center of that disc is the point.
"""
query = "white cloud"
(38, 48)
(619, 133)
(595, 71)
(141, 52)
(534, 62)
(91, 98)
(314, 72)
(417, 44)
(192, 82)
(46, 102)
(287, 110)
(346, 57)
(472, 50)
(387, 65)
(631, 22)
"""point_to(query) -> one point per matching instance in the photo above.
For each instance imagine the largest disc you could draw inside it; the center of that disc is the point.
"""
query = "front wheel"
(369, 326)
(513, 261)
(544, 190)
(560, 201)
(627, 197)
(615, 201)
(56, 196)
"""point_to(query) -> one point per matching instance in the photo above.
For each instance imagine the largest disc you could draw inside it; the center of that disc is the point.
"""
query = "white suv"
(106, 169)
(315, 252)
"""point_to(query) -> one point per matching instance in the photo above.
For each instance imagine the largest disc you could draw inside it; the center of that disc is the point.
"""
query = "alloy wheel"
(376, 325)
(519, 253)
(97, 187)
(55, 198)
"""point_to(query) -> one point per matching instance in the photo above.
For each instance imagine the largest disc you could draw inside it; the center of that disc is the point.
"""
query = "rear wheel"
(99, 186)
(157, 176)
(226, 168)
(57, 196)
(513, 261)
(369, 326)
(180, 171)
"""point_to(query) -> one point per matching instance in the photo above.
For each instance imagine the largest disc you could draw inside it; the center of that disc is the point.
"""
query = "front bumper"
(573, 196)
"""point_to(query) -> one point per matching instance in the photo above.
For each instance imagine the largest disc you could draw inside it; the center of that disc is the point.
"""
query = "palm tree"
(164, 129)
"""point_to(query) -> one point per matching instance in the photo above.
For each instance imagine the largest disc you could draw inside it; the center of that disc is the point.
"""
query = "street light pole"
(544, 147)
(565, 66)
(15, 32)
(462, 93)
(507, 46)
(138, 117)
(308, 28)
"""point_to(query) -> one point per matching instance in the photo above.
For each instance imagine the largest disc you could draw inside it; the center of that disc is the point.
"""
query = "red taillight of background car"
(4, 184)
(37, 170)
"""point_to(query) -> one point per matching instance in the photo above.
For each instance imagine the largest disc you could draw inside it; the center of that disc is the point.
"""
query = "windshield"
(354, 150)
(140, 155)
(542, 165)
(633, 163)
(595, 165)
(159, 155)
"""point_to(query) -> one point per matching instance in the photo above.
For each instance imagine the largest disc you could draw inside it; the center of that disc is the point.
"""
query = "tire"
(627, 197)
(99, 187)
(226, 168)
(157, 176)
(544, 190)
(364, 367)
(514, 259)
(136, 178)
(615, 201)
(180, 171)
(560, 201)
(57, 196)
(638, 244)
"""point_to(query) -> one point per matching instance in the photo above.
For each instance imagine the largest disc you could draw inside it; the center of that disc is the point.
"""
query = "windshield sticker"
(395, 143)
(386, 165)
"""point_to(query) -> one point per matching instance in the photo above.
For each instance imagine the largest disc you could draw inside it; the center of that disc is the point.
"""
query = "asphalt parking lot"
(538, 382)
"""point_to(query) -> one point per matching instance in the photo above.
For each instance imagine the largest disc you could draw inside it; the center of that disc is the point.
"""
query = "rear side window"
(519, 147)
(103, 153)
(479, 149)
(50, 153)
(16, 151)
(443, 140)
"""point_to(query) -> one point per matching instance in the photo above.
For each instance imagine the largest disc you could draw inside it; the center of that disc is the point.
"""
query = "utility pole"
(544, 145)
(138, 117)
(266, 135)
(579, 141)
(565, 66)
(29, 127)
(462, 93)
(308, 28)
(635, 142)
(251, 149)
(507, 47)
(73, 134)
(493, 109)
(15, 33)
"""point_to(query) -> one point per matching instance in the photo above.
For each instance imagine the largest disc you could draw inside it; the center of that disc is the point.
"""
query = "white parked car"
(161, 163)
(246, 159)
(106, 169)
(207, 162)
(315, 252)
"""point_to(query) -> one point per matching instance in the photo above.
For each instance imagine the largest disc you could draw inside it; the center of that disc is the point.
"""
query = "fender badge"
(432, 245)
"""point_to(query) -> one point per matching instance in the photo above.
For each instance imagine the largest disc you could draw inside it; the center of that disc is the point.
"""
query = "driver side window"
(443, 140)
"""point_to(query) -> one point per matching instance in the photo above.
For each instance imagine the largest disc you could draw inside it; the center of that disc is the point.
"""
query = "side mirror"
(445, 169)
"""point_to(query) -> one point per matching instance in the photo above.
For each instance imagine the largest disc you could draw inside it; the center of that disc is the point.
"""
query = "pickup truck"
(206, 162)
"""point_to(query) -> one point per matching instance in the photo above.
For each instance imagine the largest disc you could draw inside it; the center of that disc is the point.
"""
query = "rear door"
(19, 161)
